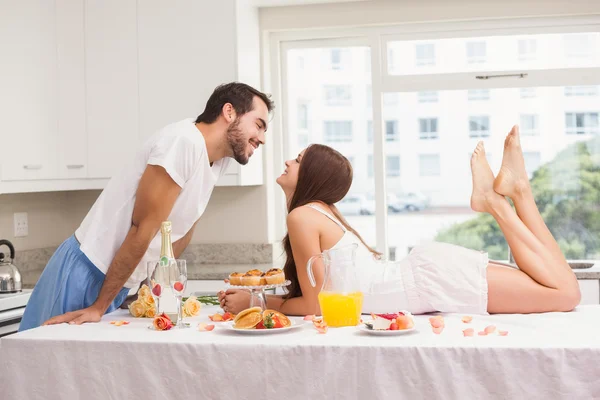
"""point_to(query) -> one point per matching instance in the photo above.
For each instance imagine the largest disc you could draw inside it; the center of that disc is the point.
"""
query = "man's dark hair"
(238, 94)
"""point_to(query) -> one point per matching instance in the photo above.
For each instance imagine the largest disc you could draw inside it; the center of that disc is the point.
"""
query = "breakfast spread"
(256, 277)
(256, 318)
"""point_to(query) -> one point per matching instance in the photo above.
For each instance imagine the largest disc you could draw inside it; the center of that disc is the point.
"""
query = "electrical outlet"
(21, 225)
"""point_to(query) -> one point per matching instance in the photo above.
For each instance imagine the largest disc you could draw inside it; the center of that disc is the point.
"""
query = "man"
(171, 178)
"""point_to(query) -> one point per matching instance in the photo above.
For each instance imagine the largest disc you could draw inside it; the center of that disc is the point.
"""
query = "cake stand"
(257, 293)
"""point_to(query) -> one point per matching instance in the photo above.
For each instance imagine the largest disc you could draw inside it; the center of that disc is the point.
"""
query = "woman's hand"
(234, 300)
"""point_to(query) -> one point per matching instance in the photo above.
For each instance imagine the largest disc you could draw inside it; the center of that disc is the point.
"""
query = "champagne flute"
(178, 283)
(158, 281)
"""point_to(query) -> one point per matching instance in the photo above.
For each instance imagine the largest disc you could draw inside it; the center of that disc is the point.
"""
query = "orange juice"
(341, 309)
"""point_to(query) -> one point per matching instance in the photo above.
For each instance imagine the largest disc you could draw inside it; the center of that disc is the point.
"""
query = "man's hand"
(90, 314)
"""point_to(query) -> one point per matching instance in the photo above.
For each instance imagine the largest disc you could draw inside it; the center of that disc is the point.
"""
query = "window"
(336, 58)
(338, 131)
(391, 131)
(529, 125)
(532, 161)
(303, 140)
(581, 123)
(479, 126)
(527, 93)
(429, 165)
(390, 99)
(580, 45)
(428, 97)
(302, 116)
(581, 91)
(478, 94)
(527, 49)
(392, 166)
(476, 52)
(338, 95)
(425, 54)
(428, 128)
(418, 98)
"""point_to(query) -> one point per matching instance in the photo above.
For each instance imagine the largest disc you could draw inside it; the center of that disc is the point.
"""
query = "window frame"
(277, 43)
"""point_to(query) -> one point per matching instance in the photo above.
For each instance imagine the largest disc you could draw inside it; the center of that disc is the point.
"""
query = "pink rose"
(162, 323)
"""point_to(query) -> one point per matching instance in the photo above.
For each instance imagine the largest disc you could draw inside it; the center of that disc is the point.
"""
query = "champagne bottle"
(168, 301)
(166, 247)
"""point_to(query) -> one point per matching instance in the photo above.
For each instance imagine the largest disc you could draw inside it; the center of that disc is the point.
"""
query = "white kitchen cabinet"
(28, 83)
(85, 82)
(111, 85)
(71, 112)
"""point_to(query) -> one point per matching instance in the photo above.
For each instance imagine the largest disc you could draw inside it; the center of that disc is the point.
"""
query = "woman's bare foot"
(483, 181)
(512, 178)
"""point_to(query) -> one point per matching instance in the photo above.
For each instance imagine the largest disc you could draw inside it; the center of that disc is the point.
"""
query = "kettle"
(10, 277)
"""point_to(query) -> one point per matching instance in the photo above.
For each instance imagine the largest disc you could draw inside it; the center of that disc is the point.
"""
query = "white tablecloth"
(547, 356)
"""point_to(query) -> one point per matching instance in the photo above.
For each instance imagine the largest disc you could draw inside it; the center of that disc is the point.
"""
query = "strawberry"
(277, 322)
(261, 325)
(178, 286)
(156, 290)
(394, 326)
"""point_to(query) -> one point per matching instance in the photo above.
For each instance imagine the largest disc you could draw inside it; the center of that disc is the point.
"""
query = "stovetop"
(14, 300)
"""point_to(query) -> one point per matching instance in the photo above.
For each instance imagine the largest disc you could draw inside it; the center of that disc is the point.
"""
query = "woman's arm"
(305, 241)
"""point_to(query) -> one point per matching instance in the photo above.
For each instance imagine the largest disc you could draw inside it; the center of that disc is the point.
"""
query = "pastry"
(235, 278)
(263, 281)
(251, 278)
(248, 318)
(274, 276)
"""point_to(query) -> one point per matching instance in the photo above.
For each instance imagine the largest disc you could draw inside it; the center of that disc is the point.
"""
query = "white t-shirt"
(181, 150)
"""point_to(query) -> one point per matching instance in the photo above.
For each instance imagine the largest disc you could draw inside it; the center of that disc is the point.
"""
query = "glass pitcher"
(340, 297)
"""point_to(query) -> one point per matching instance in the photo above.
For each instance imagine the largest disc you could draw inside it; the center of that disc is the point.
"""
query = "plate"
(363, 328)
(229, 326)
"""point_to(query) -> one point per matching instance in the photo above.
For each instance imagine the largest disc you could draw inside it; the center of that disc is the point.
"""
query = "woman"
(433, 277)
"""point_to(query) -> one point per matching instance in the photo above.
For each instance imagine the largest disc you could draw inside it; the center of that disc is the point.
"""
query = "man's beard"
(237, 142)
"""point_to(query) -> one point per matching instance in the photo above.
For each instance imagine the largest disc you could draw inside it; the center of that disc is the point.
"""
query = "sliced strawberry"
(394, 326)
(178, 286)
(156, 290)
(261, 325)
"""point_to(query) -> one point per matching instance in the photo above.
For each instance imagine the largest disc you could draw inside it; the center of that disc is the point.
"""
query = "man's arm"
(155, 197)
(180, 245)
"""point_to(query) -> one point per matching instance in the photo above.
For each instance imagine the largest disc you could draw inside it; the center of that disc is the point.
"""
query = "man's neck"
(216, 142)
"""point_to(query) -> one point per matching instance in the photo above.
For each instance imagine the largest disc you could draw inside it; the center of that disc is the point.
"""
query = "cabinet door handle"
(31, 166)
(75, 166)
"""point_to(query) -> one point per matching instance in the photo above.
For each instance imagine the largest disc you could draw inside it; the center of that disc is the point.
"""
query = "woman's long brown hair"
(325, 175)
